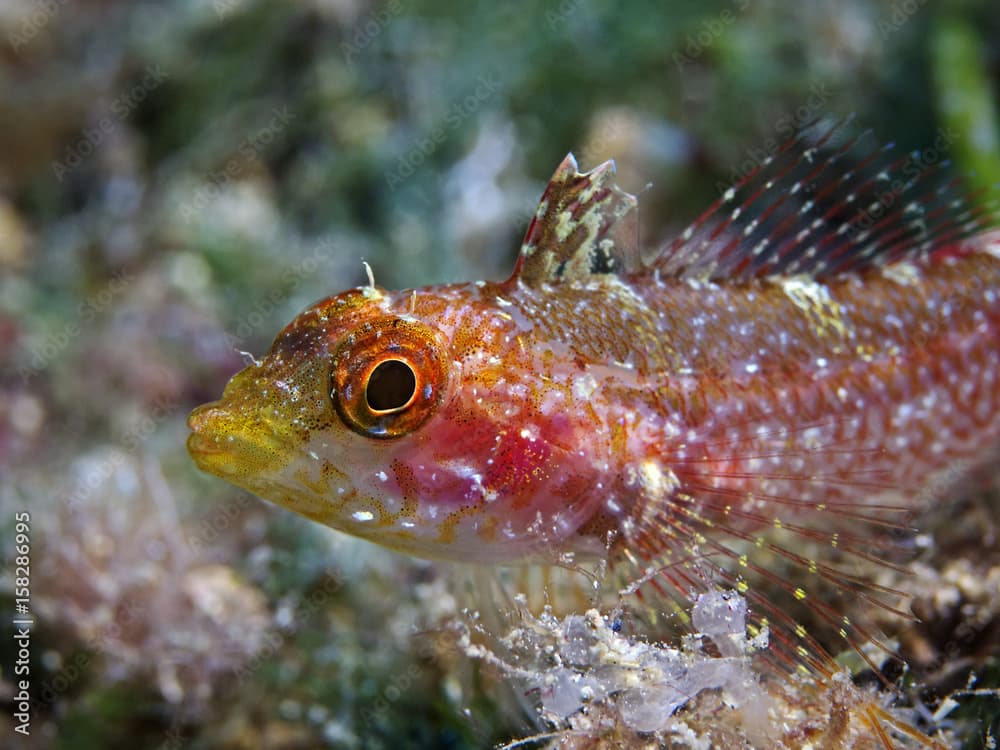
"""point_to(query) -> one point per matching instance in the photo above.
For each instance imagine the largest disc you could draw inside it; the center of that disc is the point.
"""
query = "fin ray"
(826, 204)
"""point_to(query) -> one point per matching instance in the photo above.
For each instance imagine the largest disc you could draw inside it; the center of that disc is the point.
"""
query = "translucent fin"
(808, 569)
(827, 203)
(584, 225)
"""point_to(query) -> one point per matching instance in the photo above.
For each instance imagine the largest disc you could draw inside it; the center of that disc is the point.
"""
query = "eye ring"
(388, 376)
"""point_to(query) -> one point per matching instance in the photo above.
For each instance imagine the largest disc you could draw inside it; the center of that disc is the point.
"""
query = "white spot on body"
(584, 386)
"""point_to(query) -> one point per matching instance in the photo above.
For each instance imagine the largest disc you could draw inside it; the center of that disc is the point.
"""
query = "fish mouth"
(232, 446)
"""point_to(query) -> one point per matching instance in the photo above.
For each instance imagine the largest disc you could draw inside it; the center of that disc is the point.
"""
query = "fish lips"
(232, 446)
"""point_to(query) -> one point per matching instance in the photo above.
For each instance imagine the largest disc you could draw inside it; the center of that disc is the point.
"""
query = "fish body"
(788, 365)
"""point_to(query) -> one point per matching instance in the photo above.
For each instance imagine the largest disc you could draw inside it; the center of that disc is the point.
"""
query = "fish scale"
(772, 401)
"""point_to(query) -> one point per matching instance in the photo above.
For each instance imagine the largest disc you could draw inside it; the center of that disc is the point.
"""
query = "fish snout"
(210, 438)
(206, 433)
(231, 444)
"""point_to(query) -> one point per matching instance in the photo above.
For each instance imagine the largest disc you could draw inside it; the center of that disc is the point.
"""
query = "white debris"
(580, 663)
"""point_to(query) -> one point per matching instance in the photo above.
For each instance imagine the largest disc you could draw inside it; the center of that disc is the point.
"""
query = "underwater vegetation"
(180, 180)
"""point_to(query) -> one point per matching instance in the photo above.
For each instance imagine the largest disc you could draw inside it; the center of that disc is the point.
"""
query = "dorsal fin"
(584, 225)
(825, 204)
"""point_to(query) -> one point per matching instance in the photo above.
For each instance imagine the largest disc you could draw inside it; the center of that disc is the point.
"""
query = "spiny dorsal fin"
(826, 204)
(584, 225)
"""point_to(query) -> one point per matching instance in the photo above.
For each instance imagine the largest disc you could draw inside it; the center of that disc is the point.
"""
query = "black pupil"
(390, 386)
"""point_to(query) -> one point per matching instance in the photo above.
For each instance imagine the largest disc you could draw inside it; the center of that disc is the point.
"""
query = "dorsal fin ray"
(706, 243)
(584, 225)
(826, 204)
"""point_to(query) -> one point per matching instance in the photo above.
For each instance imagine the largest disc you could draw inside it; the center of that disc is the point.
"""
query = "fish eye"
(388, 376)
(391, 386)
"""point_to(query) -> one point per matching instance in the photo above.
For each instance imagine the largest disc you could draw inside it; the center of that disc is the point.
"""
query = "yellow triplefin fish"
(801, 364)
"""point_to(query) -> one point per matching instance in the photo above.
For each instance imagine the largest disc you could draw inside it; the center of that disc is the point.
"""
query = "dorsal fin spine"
(782, 200)
(833, 186)
(827, 204)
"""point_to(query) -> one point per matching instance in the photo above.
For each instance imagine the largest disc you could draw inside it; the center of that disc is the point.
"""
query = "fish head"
(416, 420)
(437, 421)
(339, 388)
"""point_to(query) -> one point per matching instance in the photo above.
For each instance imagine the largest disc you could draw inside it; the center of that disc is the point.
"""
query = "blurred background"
(178, 179)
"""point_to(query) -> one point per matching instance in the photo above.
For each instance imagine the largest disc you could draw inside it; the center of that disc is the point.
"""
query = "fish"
(766, 404)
